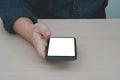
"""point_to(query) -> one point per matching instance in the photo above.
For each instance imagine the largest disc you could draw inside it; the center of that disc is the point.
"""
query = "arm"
(18, 19)
(11, 10)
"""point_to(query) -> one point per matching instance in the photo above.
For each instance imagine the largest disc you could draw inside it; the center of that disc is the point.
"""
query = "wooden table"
(98, 48)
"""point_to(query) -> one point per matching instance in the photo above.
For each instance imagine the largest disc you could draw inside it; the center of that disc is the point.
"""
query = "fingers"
(41, 49)
(43, 30)
(39, 44)
(40, 35)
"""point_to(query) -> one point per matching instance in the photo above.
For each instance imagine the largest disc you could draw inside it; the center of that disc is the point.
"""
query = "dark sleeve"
(10, 10)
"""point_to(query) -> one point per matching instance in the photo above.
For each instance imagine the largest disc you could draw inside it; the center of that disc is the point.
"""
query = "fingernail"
(48, 34)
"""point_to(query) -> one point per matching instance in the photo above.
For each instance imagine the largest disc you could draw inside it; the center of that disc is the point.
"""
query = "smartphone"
(61, 48)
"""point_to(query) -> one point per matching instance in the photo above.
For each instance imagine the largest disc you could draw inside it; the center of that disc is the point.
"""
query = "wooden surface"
(98, 48)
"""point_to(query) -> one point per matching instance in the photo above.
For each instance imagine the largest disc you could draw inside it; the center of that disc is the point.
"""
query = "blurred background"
(113, 9)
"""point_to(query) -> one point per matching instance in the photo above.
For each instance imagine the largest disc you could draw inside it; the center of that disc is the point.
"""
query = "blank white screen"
(61, 47)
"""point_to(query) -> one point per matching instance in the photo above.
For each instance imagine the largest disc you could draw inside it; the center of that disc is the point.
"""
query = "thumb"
(43, 30)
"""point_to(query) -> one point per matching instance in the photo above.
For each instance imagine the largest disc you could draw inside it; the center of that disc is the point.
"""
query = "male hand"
(39, 37)
(37, 34)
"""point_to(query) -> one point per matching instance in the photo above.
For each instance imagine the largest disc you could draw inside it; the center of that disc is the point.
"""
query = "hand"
(37, 34)
(39, 37)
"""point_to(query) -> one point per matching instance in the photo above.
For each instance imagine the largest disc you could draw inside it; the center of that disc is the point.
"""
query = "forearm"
(12, 10)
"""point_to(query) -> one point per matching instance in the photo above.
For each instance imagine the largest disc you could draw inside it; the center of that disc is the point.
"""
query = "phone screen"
(61, 48)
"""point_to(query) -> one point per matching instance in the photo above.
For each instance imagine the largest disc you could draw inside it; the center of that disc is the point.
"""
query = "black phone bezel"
(63, 58)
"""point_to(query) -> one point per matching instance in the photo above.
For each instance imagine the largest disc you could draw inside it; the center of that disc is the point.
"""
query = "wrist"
(24, 27)
(21, 21)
